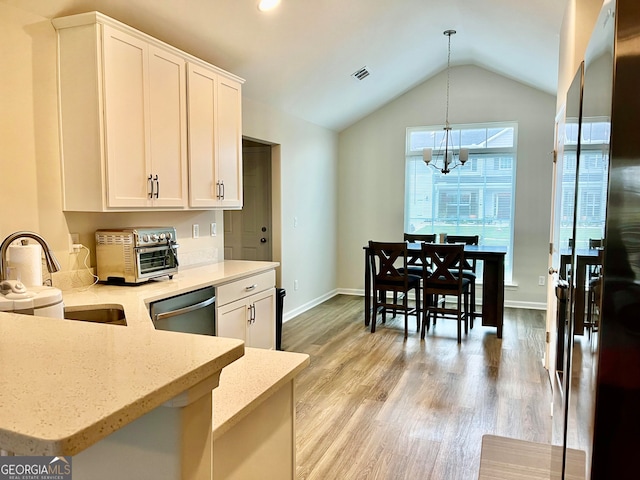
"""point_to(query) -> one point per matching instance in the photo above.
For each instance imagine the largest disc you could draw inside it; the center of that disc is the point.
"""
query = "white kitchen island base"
(171, 442)
(254, 432)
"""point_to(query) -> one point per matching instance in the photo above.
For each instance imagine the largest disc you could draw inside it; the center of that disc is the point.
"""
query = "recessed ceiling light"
(265, 5)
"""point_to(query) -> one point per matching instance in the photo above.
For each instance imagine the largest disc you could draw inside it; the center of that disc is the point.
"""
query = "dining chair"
(386, 260)
(444, 278)
(593, 286)
(469, 269)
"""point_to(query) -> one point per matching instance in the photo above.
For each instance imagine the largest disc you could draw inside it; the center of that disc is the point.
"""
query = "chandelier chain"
(446, 117)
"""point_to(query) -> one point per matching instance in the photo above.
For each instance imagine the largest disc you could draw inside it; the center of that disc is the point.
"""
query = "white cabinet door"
(203, 182)
(168, 128)
(125, 111)
(215, 137)
(262, 331)
(232, 320)
(229, 117)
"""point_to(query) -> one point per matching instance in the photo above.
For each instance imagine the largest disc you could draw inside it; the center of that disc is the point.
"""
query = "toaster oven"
(136, 255)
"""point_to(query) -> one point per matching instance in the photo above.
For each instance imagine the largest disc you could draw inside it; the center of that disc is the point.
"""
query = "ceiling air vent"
(361, 74)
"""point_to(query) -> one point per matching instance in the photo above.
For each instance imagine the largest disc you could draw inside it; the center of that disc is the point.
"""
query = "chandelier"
(445, 157)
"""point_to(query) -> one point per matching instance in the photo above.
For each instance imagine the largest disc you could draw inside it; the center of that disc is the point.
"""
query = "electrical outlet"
(295, 222)
(541, 280)
(74, 239)
(195, 230)
(295, 284)
(214, 230)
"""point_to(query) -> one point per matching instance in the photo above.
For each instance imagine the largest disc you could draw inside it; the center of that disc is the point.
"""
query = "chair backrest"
(467, 240)
(596, 242)
(446, 263)
(386, 258)
(420, 237)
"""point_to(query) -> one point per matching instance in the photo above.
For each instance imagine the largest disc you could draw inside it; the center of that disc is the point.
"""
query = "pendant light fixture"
(445, 158)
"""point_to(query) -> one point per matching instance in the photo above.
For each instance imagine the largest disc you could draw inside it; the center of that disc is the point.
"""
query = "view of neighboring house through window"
(474, 199)
(592, 179)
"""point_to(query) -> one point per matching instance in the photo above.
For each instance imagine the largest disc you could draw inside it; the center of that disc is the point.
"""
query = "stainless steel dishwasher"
(192, 312)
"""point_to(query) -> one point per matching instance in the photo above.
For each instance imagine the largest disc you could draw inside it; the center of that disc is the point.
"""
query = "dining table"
(492, 258)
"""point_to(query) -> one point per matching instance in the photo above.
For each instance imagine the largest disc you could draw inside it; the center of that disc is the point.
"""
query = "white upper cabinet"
(123, 113)
(215, 135)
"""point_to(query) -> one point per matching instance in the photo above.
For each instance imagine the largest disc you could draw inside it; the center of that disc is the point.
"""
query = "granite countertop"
(135, 299)
(65, 384)
(81, 381)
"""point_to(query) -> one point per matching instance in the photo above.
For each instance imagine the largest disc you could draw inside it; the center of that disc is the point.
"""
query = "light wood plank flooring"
(376, 406)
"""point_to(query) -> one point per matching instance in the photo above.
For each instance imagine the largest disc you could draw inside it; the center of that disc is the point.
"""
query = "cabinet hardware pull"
(150, 186)
(222, 185)
(157, 186)
(251, 287)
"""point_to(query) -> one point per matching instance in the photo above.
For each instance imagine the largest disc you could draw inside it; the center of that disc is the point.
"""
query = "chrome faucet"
(52, 262)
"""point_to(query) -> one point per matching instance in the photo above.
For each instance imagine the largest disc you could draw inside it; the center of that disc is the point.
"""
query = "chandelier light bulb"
(426, 155)
(266, 5)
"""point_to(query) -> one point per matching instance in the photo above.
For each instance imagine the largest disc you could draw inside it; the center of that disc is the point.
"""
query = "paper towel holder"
(52, 262)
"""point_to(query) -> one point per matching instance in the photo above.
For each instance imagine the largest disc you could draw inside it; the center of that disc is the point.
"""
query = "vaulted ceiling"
(299, 57)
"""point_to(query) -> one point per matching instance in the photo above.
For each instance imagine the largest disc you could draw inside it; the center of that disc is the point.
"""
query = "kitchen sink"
(109, 314)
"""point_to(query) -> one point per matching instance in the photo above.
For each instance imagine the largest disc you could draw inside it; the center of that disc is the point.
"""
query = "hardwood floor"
(376, 406)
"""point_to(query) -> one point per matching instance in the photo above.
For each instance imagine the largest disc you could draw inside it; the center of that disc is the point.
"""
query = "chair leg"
(472, 307)
(418, 308)
(459, 318)
(467, 312)
(374, 315)
(425, 322)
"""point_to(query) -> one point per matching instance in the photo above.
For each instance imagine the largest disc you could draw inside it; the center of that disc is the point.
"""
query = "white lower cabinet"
(246, 315)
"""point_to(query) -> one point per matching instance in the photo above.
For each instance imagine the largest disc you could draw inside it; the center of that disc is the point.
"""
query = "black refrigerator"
(610, 97)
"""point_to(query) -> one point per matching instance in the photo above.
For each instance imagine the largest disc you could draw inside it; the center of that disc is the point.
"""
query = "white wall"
(307, 161)
(371, 170)
(577, 24)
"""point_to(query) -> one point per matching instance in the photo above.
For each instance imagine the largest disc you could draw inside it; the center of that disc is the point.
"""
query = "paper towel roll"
(27, 260)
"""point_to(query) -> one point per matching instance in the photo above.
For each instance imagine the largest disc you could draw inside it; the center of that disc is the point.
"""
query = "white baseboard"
(308, 306)
(507, 303)
(525, 305)
(360, 293)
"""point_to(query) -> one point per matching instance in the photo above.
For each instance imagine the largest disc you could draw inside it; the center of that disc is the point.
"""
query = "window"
(474, 199)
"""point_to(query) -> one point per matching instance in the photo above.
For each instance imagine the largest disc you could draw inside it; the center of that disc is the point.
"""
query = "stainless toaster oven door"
(158, 260)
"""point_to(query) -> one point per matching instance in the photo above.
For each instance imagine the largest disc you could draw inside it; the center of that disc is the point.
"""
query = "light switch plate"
(214, 230)
(195, 230)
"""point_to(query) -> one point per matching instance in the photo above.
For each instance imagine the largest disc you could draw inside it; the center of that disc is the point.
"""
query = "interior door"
(562, 262)
(247, 234)
(554, 252)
